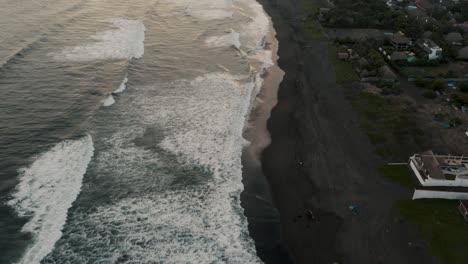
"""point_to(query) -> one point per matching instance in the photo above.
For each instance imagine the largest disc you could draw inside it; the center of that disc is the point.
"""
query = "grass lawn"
(312, 28)
(425, 72)
(388, 123)
(438, 221)
(441, 225)
(309, 24)
(343, 70)
(401, 174)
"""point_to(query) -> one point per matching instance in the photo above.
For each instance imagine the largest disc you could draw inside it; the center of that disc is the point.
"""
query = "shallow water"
(121, 129)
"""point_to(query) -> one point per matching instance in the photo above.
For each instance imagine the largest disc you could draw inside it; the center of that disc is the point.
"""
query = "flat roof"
(432, 165)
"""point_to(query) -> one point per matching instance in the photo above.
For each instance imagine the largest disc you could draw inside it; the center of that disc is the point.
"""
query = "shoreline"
(256, 200)
(320, 160)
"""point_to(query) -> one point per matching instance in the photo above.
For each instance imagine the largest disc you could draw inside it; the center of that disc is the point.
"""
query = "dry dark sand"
(320, 160)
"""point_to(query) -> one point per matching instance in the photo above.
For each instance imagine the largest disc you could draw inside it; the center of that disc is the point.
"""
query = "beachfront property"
(440, 176)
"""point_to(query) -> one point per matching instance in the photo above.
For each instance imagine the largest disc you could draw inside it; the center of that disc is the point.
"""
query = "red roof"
(421, 7)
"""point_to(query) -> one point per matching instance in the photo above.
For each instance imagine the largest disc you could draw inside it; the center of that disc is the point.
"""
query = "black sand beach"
(320, 161)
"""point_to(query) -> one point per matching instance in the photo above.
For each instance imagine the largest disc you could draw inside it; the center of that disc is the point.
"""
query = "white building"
(440, 176)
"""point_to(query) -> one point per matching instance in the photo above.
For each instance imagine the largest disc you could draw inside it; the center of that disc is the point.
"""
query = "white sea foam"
(255, 31)
(211, 129)
(203, 120)
(47, 190)
(205, 9)
(122, 86)
(125, 42)
(108, 101)
(228, 40)
(191, 226)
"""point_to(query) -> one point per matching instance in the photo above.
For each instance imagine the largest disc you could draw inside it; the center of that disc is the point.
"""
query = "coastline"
(320, 160)
(256, 200)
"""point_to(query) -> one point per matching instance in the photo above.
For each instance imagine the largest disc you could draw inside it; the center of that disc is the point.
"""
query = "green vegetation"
(459, 99)
(400, 174)
(343, 70)
(430, 94)
(441, 225)
(390, 88)
(362, 14)
(432, 85)
(463, 87)
(389, 124)
(309, 24)
(440, 71)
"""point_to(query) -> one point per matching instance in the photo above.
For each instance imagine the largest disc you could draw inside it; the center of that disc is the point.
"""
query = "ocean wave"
(122, 86)
(108, 101)
(126, 42)
(231, 39)
(46, 191)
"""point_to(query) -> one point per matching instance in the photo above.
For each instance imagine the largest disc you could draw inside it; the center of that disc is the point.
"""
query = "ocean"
(122, 127)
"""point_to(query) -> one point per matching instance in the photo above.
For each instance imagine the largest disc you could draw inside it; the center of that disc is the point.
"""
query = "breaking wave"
(231, 39)
(46, 191)
(122, 86)
(126, 42)
(108, 101)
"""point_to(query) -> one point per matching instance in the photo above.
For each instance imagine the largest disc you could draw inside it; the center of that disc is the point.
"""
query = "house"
(463, 53)
(454, 38)
(440, 176)
(399, 41)
(397, 56)
(429, 48)
(387, 75)
(463, 208)
(440, 170)
(464, 27)
(423, 5)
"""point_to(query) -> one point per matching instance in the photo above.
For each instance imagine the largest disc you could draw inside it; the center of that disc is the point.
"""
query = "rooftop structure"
(440, 170)
(440, 176)
(399, 41)
(454, 38)
(463, 53)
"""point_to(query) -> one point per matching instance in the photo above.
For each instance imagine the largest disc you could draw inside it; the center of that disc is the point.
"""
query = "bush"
(390, 88)
(463, 87)
(430, 94)
(459, 99)
(437, 85)
(454, 122)
(421, 82)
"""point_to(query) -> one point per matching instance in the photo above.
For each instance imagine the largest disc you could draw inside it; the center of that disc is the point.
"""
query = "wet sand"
(319, 160)
(263, 218)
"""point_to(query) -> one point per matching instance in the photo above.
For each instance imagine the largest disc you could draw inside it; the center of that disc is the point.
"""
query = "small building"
(323, 14)
(430, 49)
(463, 53)
(399, 41)
(463, 208)
(440, 170)
(454, 38)
(387, 75)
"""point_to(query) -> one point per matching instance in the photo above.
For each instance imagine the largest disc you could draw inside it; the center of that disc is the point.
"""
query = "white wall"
(423, 194)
